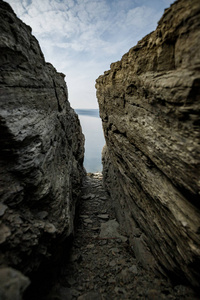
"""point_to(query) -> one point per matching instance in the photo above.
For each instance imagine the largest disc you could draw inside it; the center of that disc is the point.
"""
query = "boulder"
(12, 284)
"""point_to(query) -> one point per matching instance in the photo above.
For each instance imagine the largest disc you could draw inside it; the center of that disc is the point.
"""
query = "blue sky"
(81, 38)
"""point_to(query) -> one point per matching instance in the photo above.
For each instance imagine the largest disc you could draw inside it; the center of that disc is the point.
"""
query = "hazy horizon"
(94, 140)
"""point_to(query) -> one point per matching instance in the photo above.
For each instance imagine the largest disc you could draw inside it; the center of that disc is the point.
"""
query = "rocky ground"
(102, 264)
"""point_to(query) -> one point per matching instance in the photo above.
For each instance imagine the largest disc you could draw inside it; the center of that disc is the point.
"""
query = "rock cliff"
(41, 150)
(150, 104)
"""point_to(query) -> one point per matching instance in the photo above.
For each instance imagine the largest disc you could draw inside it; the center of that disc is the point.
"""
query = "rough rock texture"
(12, 284)
(41, 150)
(149, 104)
(102, 264)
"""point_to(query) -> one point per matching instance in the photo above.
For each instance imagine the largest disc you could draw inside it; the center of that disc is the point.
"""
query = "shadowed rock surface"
(149, 104)
(101, 264)
(41, 150)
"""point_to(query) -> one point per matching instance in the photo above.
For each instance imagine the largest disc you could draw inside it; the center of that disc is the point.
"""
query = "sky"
(81, 38)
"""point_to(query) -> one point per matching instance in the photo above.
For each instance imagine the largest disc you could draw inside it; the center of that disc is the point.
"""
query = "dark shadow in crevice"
(49, 272)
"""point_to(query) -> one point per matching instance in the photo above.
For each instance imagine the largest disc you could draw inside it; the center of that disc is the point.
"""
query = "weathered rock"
(90, 296)
(149, 104)
(110, 230)
(12, 284)
(41, 150)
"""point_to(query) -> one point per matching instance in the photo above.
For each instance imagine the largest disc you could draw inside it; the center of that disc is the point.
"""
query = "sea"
(94, 138)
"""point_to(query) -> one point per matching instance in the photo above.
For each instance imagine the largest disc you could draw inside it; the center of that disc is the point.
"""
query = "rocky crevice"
(149, 105)
(101, 263)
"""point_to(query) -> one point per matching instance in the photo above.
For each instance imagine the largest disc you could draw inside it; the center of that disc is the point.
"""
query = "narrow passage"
(102, 264)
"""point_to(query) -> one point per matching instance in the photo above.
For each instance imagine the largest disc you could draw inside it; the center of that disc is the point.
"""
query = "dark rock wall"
(150, 104)
(41, 150)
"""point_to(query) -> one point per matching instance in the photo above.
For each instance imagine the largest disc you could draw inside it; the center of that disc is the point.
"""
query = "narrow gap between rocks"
(100, 263)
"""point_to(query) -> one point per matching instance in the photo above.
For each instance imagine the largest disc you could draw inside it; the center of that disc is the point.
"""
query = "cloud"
(82, 37)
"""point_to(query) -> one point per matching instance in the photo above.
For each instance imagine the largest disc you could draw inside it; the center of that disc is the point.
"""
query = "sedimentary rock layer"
(149, 104)
(41, 150)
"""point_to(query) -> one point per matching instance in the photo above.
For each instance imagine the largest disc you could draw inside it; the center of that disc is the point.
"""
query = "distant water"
(94, 139)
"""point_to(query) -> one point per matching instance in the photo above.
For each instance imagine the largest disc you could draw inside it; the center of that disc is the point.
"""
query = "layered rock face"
(41, 150)
(149, 104)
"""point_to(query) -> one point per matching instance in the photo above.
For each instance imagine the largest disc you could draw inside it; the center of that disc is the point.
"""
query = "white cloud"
(82, 37)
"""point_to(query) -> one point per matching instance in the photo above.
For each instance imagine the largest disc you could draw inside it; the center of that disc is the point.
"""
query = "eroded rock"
(41, 150)
(110, 230)
(12, 284)
(149, 104)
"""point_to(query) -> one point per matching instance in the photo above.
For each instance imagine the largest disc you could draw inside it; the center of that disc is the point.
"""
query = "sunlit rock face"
(149, 104)
(41, 150)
